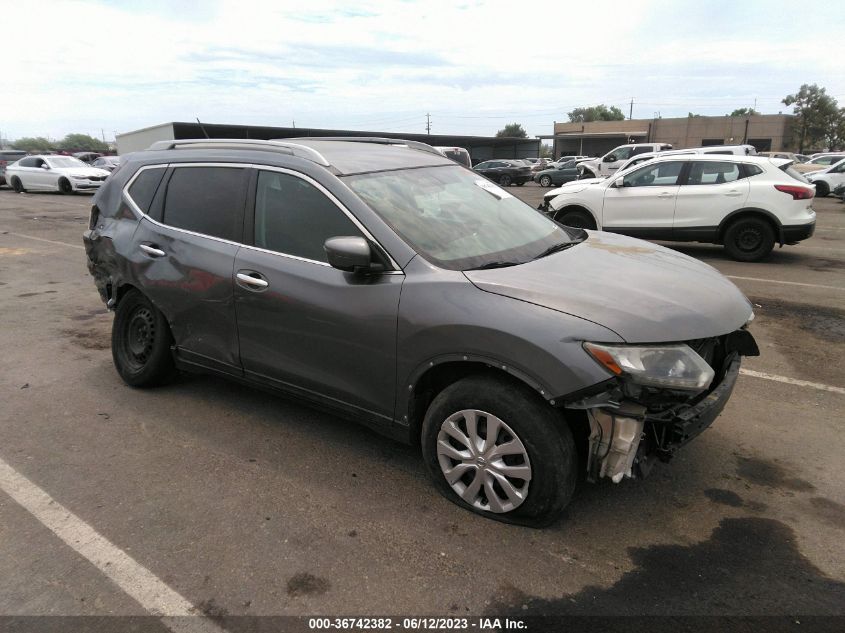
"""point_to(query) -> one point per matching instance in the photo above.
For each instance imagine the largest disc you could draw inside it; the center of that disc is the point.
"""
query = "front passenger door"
(304, 326)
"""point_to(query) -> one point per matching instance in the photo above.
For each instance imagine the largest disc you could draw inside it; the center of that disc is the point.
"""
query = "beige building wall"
(688, 131)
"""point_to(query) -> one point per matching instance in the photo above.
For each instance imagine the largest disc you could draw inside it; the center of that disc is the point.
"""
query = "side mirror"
(350, 254)
(45, 166)
(619, 182)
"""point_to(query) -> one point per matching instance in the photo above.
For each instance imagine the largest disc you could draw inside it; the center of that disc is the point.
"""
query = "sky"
(102, 68)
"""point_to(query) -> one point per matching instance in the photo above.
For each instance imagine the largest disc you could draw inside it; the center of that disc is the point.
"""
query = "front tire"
(65, 187)
(749, 239)
(822, 189)
(505, 180)
(141, 342)
(576, 219)
(545, 181)
(495, 448)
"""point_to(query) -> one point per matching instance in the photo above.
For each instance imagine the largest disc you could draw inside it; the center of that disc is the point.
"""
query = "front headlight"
(667, 366)
(79, 177)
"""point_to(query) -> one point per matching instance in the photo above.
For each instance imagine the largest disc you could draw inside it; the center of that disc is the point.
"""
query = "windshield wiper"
(494, 265)
(556, 248)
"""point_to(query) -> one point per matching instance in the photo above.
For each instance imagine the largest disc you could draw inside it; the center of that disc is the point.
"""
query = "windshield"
(459, 220)
(65, 161)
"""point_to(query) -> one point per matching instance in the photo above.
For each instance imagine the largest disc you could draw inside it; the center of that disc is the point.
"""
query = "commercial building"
(766, 132)
(479, 147)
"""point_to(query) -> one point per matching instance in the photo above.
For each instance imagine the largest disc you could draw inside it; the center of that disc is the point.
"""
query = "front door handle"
(253, 280)
(665, 194)
(733, 193)
(152, 250)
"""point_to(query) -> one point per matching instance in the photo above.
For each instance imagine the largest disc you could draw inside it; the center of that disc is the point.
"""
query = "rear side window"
(143, 190)
(713, 173)
(752, 170)
(207, 200)
(293, 217)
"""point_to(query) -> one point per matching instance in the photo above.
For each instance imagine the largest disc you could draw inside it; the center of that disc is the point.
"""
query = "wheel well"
(575, 207)
(750, 213)
(121, 291)
(437, 378)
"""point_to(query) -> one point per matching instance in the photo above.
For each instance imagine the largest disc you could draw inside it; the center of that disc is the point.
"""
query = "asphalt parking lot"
(245, 503)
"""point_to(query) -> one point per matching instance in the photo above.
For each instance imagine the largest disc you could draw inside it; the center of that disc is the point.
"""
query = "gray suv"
(379, 279)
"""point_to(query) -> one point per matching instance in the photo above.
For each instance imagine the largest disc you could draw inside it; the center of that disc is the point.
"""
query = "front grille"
(97, 178)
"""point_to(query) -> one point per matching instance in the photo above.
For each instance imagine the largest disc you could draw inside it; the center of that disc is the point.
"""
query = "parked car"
(64, 174)
(745, 203)
(109, 163)
(611, 161)
(8, 156)
(828, 179)
(87, 157)
(786, 155)
(818, 162)
(504, 172)
(557, 175)
(457, 154)
(517, 357)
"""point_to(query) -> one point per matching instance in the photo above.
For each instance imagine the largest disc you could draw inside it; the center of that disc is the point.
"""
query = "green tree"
(545, 150)
(512, 130)
(817, 116)
(744, 112)
(693, 116)
(83, 143)
(596, 113)
(34, 144)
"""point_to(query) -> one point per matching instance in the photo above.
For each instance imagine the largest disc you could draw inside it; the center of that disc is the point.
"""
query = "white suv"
(746, 203)
(829, 179)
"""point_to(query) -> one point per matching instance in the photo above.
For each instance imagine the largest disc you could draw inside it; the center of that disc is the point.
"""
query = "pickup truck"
(610, 162)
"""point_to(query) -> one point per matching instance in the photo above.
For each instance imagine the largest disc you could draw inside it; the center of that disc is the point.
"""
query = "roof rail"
(424, 147)
(240, 143)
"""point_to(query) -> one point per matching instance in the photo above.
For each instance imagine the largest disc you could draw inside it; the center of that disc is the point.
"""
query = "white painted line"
(41, 239)
(788, 283)
(132, 577)
(792, 381)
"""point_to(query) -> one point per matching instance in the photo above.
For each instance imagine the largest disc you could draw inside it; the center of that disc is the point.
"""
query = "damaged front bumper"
(626, 437)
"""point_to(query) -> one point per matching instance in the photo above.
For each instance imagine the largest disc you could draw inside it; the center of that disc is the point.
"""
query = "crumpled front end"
(632, 426)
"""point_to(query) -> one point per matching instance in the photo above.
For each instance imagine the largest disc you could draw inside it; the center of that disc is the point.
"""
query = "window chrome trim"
(142, 214)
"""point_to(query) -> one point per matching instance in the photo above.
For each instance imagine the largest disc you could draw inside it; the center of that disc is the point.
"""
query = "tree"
(36, 144)
(512, 130)
(693, 116)
(817, 116)
(744, 112)
(83, 143)
(596, 113)
(545, 150)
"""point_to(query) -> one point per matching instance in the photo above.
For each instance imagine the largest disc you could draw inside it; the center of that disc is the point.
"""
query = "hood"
(83, 171)
(574, 186)
(643, 292)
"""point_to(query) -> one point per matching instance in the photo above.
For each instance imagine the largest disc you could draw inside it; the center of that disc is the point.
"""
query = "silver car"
(381, 280)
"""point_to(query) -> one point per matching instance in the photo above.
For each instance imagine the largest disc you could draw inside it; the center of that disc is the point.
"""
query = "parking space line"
(788, 283)
(41, 239)
(132, 577)
(792, 381)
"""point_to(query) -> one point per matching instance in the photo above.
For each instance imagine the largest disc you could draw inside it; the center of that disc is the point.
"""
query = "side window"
(143, 190)
(622, 153)
(752, 170)
(483, 166)
(27, 162)
(640, 150)
(840, 168)
(207, 200)
(713, 173)
(659, 175)
(293, 217)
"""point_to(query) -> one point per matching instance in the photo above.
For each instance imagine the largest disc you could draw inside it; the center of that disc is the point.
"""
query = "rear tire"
(17, 185)
(576, 219)
(525, 473)
(545, 181)
(822, 189)
(749, 239)
(65, 187)
(505, 180)
(140, 342)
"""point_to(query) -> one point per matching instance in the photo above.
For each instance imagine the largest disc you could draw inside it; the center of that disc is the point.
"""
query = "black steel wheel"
(141, 342)
(749, 239)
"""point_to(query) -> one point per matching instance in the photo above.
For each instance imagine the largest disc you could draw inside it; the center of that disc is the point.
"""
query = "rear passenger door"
(185, 254)
(710, 191)
(304, 326)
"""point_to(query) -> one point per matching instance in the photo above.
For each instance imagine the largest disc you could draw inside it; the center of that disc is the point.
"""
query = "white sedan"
(65, 174)
(746, 203)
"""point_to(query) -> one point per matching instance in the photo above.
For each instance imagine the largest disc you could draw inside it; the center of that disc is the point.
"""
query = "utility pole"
(428, 123)
(631, 110)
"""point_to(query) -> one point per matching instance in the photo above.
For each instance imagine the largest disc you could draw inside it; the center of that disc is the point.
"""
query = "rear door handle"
(152, 250)
(252, 280)
(733, 193)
